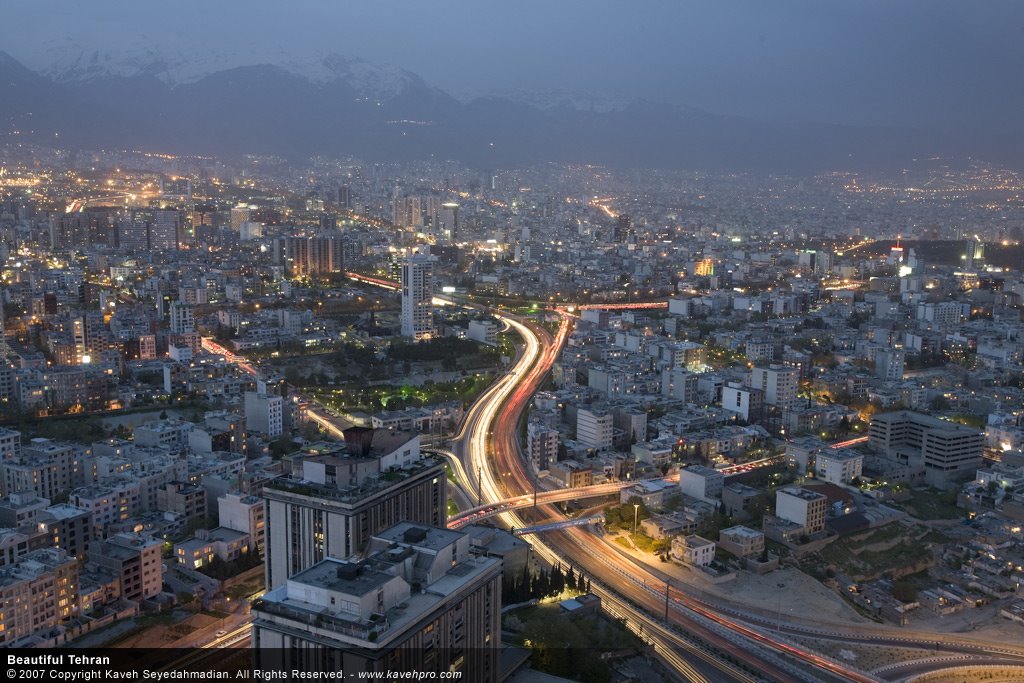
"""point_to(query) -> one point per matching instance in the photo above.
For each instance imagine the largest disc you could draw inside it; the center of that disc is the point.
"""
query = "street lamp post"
(636, 512)
(778, 611)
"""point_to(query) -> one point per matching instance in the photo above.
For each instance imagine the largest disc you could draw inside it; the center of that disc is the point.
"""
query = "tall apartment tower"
(183, 319)
(164, 229)
(449, 222)
(418, 294)
(240, 214)
(542, 445)
(419, 602)
(778, 382)
(377, 479)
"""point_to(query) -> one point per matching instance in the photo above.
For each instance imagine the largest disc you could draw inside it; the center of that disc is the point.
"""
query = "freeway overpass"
(481, 512)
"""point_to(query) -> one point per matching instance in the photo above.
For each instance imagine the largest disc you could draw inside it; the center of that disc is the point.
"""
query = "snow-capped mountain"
(208, 102)
(73, 64)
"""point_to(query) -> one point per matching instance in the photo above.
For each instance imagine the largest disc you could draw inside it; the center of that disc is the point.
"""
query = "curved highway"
(489, 449)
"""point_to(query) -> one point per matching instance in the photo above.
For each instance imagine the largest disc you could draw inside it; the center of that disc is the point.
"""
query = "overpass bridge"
(555, 526)
(482, 512)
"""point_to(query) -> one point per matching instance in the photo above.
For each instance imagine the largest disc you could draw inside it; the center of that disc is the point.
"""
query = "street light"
(778, 611)
(636, 512)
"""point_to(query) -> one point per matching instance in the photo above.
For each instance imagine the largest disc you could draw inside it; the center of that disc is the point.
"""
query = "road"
(501, 475)
(488, 447)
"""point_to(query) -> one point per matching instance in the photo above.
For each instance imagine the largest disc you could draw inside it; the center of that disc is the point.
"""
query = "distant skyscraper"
(974, 253)
(434, 214)
(133, 235)
(407, 212)
(240, 214)
(311, 255)
(449, 222)
(418, 294)
(163, 231)
(183, 319)
(250, 230)
(345, 197)
(623, 227)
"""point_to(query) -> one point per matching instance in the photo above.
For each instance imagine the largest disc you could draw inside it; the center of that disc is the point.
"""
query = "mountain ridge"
(349, 106)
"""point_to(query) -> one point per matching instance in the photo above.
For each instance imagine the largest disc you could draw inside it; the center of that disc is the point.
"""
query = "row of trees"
(543, 584)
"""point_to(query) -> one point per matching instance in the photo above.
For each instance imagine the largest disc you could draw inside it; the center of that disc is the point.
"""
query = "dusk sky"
(929, 63)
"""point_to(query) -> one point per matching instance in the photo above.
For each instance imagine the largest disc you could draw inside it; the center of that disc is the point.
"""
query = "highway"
(488, 446)
(501, 475)
(486, 459)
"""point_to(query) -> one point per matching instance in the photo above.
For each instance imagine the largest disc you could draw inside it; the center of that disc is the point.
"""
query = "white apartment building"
(778, 382)
(418, 294)
(594, 428)
(801, 506)
(839, 466)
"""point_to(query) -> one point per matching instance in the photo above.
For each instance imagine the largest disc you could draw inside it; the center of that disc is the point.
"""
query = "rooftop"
(350, 578)
(742, 531)
(802, 493)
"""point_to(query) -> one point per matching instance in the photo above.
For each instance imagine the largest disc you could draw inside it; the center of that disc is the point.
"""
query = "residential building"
(339, 500)
(839, 466)
(264, 413)
(741, 541)
(418, 294)
(244, 513)
(420, 601)
(693, 550)
(542, 445)
(136, 559)
(803, 507)
(702, 483)
(594, 428)
(778, 382)
(37, 594)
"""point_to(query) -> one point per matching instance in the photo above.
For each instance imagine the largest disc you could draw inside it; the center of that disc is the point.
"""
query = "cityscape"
(274, 413)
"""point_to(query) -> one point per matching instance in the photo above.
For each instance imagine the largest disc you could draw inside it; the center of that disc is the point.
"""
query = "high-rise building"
(250, 230)
(182, 318)
(420, 601)
(434, 214)
(778, 382)
(38, 592)
(304, 256)
(594, 428)
(418, 294)
(240, 214)
(448, 219)
(974, 253)
(623, 228)
(376, 479)
(406, 212)
(163, 230)
(133, 235)
(264, 413)
(542, 445)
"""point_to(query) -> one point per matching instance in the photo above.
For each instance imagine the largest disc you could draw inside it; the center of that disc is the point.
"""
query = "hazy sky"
(936, 63)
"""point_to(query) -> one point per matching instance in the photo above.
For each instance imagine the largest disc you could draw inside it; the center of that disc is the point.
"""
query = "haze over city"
(526, 343)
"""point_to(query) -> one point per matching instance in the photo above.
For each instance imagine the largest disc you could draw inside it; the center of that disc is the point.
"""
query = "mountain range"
(336, 105)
